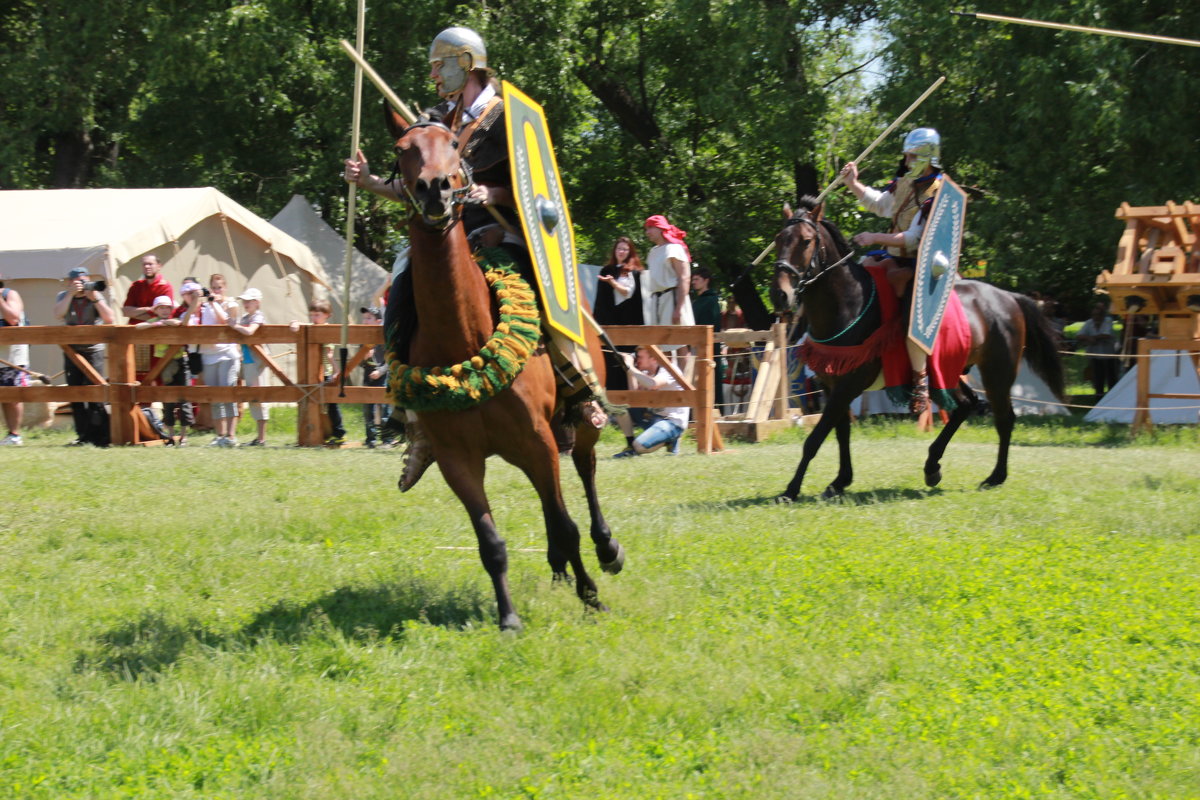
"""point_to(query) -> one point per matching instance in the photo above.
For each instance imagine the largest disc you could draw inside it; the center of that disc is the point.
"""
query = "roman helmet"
(926, 145)
(457, 51)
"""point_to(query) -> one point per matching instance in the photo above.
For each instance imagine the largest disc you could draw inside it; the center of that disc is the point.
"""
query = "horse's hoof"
(618, 562)
(992, 483)
(511, 622)
(563, 577)
(933, 478)
(832, 492)
(784, 499)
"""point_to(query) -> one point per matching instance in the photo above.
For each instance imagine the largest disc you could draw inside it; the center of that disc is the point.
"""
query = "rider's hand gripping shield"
(543, 209)
(937, 263)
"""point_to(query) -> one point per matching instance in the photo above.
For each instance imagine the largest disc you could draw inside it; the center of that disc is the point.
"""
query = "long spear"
(351, 202)
(1144, 37)
(865, 153)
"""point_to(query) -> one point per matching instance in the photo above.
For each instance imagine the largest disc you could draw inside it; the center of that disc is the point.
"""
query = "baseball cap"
(77, 272)
(371, 310)
(162, 300)
(250, 294)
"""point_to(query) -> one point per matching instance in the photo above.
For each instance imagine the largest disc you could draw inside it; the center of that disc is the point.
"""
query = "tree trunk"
(72, 159)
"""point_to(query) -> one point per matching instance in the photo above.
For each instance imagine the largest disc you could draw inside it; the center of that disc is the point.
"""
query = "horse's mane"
(809, 203)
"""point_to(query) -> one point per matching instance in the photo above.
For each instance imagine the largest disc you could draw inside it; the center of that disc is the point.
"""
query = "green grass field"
(284, 624)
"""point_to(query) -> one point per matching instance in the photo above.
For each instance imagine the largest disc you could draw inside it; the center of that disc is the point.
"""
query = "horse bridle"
(458, 197)
(813, 270)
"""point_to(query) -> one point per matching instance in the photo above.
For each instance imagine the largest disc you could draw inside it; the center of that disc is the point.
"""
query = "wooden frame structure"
(768, 407)
(697, 393)
(124, 393)
(1157, 271)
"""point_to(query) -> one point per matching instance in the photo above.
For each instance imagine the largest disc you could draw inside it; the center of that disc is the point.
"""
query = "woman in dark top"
(619, 302)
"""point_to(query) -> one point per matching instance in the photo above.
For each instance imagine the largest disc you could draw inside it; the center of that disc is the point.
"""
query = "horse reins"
(457, 196)
(808, 277)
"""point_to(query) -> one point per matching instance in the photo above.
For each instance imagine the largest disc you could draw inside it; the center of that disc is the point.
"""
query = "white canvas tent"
(368, 279)
(1171, 372)
(194, 232)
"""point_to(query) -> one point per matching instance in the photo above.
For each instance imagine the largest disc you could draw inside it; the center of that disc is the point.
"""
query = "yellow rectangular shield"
(543, 208)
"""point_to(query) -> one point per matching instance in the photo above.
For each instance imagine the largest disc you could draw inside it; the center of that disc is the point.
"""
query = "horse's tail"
(1041, 346)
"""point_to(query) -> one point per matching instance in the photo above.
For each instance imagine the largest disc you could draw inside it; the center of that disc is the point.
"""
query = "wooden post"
(308, 416)
(121, 374)
(779, 331)
(704, 385)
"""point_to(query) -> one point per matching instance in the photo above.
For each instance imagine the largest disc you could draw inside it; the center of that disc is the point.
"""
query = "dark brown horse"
(457, 317)
(815, 270)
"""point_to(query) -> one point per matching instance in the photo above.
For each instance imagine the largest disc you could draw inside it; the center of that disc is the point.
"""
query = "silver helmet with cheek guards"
(457, 51)
(926, 145)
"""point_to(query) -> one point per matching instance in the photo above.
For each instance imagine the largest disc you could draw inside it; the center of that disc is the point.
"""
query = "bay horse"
(457, 318)
(815, 270)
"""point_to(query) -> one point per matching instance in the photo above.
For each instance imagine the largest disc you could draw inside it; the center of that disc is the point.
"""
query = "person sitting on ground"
(15, 372)
(666, 425)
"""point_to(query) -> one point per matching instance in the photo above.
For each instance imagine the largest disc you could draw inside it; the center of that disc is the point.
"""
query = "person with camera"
(14, 369)
(83, 304)
(139, 300)
(220, 362)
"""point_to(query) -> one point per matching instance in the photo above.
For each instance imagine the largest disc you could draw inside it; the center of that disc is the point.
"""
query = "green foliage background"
(712, 112)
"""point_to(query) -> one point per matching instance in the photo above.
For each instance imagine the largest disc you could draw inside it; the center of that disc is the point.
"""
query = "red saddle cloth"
(950, 349)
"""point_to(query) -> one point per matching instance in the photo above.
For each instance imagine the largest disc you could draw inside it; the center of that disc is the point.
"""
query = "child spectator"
(15, 372)
(319, 313)
(375, 374)
(166, 315)
(253, 369)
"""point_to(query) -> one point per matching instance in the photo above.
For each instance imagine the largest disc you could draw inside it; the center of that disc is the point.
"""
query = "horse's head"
(799, 250)
(434, 177)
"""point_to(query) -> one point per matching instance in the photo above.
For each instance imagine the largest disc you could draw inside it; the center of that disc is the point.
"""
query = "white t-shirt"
(677, 414)
(212, 353)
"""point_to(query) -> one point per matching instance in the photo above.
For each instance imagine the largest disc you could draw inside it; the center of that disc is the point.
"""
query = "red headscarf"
(672, 234)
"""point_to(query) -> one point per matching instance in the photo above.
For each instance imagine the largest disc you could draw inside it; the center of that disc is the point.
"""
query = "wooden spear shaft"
(865, 153)
(352, 198)
(1143, 37)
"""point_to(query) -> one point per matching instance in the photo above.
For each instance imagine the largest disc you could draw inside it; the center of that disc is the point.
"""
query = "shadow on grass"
(142, 649)
(866, 497)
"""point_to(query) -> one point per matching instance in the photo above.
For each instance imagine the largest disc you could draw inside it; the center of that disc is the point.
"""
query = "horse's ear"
(395, 123)
(818, 212)
(787, 211)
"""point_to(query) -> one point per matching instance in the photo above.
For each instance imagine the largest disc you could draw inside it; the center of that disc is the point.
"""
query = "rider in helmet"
(472, 107)
(907, 201)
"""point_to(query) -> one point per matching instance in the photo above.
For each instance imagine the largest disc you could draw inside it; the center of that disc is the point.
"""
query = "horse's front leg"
(835, 415)
(608, 550)
(464, 474)
(845, 475)
(933, 462)
(539, 462)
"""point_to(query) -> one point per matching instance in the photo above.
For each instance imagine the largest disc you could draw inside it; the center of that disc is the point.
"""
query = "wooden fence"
(124, 391)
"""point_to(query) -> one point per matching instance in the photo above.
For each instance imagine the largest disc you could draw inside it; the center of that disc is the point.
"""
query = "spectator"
(15, 372)
(668, 275)
(220, 361)
(619, 302)
(253, 368)
(139, 300)
(666, 424)
(732, 317)
(706, 305)
(1098, 340)
(319, 313)
(173, 374)
(375, 415)
(82, 304)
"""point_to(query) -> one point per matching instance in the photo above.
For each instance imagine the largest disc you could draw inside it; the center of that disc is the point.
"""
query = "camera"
(94, 286)
(1, 284)
(205, 293)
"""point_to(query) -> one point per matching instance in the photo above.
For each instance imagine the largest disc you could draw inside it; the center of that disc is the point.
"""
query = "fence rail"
(123, 389)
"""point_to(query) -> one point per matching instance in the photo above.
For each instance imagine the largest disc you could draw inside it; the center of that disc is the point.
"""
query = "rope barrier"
(1175, 353)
